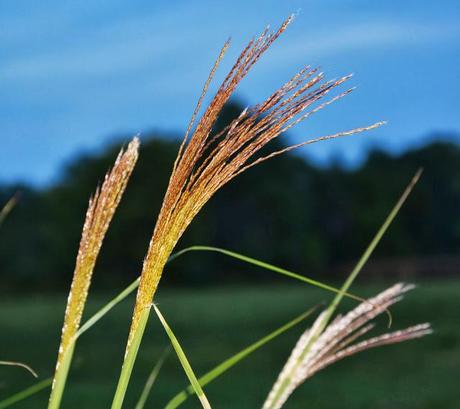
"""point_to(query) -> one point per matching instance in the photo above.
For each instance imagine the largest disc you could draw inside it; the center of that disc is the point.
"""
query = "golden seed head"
(101, 209)
(205, 163)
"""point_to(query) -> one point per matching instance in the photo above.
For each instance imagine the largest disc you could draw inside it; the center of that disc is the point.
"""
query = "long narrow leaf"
(31, 390)
(151, 380)
(184, 361)
(21, 365)
(266, 266)
(224, 366)
(373, 244)
(128, 290)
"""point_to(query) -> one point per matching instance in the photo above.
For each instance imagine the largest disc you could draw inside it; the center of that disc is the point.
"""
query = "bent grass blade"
(128, 290)
(184, 361)
(267, 266)
(21, 365)
(224, 366)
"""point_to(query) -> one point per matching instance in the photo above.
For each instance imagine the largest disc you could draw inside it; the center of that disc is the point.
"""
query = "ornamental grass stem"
(100, 212)
(206, 162)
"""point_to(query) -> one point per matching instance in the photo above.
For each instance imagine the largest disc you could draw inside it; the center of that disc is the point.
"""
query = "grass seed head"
(314, 351)
(101, 209)
(205, 162)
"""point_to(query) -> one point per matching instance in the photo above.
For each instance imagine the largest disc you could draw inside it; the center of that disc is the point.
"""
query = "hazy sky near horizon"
(75, 75)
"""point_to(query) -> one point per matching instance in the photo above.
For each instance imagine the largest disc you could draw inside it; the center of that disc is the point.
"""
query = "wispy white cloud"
(86, 69)
(135, 44)
(370, 35)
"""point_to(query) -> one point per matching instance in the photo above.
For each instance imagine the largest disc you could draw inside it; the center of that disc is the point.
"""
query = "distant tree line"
(287, 212)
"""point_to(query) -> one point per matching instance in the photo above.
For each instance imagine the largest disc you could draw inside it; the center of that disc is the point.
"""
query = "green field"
(214, 323)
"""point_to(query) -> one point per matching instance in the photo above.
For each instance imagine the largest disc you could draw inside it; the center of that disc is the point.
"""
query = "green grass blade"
(60, 378)
(223, 367)
(151, 380)
(184, 361)
(21, 365)
(373, 244)
(128, 362)
(107, 307)
(266, 266)
(32, 390)
(128, 290)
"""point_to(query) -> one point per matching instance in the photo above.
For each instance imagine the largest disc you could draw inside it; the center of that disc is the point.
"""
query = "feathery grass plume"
(313, 353)
(100, 211)
(205, 163)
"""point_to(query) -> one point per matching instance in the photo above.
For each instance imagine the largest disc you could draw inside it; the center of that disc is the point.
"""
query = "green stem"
(60, 378)
(128, 362)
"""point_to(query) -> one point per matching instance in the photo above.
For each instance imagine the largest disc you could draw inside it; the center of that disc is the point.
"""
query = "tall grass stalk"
(205, 163)
(100, 212)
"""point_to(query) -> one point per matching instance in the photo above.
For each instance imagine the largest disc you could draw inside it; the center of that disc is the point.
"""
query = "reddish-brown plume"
(206, 162)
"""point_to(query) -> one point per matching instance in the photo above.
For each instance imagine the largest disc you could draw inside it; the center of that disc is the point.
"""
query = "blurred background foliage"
(287, 211)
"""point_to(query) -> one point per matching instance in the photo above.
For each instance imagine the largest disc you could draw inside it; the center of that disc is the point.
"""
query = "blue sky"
(74, 75)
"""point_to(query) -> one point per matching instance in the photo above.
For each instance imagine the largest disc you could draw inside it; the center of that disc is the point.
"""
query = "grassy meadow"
(213, 324)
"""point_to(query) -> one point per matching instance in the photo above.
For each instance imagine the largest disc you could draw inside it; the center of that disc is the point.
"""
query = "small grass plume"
(205, 163)
(6, 209)
(293, 370)
(100, 212)
(314, 351)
